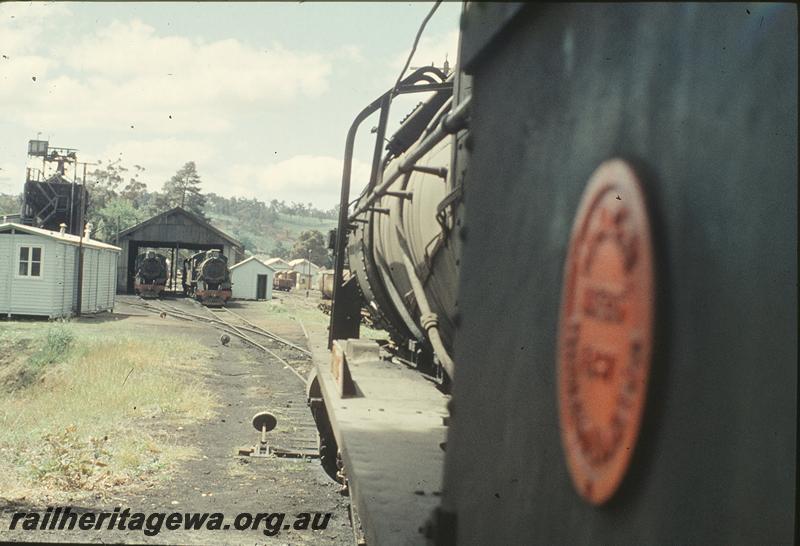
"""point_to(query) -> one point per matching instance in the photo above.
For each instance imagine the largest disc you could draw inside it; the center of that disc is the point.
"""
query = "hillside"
(258, 225)
(285, 229)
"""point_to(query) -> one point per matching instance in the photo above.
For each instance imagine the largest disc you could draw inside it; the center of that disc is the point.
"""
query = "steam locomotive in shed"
(206, 278)
(585, 240)
(151, 272)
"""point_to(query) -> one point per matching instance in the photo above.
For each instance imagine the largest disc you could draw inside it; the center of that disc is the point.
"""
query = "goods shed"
(252, 280)
(39, 272)
(176, 234)
(278, 264)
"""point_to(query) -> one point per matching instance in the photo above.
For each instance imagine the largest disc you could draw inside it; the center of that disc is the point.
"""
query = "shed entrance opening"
(261, 287)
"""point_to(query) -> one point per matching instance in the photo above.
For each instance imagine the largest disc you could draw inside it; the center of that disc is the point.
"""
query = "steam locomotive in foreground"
(151, 274)
(206, 277)
(588, 237)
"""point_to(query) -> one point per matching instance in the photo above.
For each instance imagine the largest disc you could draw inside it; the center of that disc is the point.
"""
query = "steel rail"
(234, 330)
(265, 332)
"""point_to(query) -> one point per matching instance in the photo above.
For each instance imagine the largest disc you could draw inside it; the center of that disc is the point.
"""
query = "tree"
(248, 243)
(183, 190)
(108, 206)
(103, 183)
(135, 190)
(311, 245)
(280, 251)
(10, 204)
(117, 215)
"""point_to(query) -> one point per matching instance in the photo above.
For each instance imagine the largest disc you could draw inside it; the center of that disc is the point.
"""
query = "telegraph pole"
(308, 270)
(81, 209)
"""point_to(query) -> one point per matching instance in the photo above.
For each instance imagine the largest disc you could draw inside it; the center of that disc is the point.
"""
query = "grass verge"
(84, 410)
(305, 310)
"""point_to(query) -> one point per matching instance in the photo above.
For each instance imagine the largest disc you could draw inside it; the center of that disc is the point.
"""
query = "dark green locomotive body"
(702, 101)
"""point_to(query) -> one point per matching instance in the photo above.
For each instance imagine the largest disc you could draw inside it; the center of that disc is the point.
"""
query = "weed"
(71, 430)
(67, 460)
(49, 349)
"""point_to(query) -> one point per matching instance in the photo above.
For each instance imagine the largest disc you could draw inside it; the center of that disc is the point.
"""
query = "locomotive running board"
(389, 435)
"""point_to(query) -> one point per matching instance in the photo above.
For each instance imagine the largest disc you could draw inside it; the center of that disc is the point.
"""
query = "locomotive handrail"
(451, 123)
(383, 102)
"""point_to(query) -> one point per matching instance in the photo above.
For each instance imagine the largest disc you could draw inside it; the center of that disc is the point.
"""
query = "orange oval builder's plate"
(605, 331)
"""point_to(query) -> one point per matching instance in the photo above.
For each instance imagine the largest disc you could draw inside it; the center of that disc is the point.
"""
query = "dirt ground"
(247, 381)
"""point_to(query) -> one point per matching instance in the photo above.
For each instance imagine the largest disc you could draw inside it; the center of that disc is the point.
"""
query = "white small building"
(308, 272)
(39, 272)
(251, 279)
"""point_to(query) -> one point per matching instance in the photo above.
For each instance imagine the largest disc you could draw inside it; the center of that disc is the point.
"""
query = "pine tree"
(183, 190)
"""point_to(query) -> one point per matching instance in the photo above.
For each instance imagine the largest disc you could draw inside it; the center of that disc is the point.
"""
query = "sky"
(259, 95)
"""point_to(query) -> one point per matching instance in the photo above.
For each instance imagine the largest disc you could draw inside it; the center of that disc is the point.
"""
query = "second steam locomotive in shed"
(151, 274)
(206, 277)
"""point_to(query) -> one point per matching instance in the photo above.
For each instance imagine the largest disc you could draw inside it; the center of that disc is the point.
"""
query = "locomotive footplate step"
(394, 421)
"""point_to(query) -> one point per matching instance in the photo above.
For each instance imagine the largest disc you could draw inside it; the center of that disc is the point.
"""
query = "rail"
(222, 325)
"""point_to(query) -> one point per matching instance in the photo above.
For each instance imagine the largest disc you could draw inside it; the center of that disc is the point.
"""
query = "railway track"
(233, 324)
(300, 440)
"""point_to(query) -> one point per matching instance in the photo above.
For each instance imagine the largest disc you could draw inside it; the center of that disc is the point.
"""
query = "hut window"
(30, 261)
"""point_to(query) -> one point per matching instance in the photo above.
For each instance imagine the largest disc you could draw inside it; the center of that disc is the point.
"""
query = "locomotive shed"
(174, 230)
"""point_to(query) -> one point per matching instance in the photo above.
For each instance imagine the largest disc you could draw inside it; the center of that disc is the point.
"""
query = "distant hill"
(285, 228)
(259, 226)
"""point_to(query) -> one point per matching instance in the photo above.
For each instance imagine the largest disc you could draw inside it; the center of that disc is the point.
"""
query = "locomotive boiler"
(588, 235)
(206, 277)
(151, 274)
(400, 242)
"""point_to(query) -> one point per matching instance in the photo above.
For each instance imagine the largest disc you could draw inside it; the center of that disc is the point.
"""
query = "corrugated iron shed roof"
(158, 217)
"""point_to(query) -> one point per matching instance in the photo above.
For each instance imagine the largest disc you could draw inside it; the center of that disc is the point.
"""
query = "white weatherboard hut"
(252, 280)
(39, 272)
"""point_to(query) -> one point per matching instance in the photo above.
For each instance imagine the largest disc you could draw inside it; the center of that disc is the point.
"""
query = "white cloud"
(22, 23)
(10, 176)
(126, 74)
(431, 49)
(188, 99)
(301, 178)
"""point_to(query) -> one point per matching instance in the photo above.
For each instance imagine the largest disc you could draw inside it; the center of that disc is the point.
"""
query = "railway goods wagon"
(206, 277)
(325, 283)
(151, 274)
(588, 236)
(283, 281)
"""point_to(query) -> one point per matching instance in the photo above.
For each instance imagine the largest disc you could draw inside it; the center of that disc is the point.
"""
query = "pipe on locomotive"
(407, 85)
(390, 236)
(428, 319)
(451, 123)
